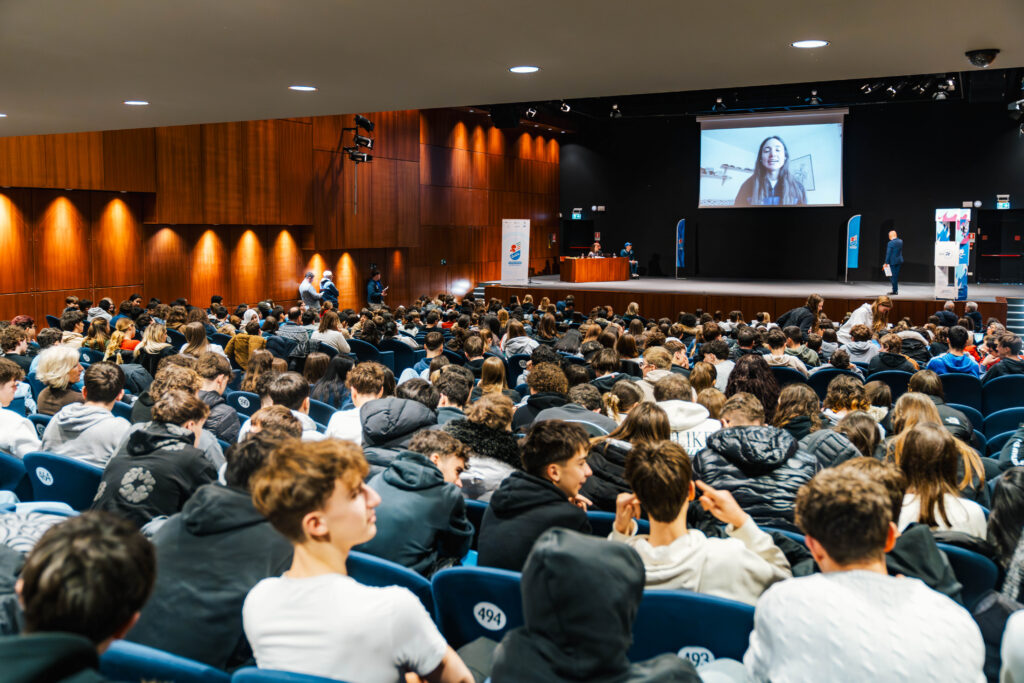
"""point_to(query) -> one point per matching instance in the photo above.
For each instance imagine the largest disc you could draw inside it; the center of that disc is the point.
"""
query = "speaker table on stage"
(594, 269)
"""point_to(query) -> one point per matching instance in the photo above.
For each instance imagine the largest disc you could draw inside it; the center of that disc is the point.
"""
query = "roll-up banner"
(515, 251)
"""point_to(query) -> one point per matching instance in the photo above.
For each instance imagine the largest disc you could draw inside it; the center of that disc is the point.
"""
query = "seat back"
(245, 402)
(792, 535)
(373, 571)
(89, 355)
(131, 662)
(175, 338)
(320, 412)
(18, 406)
(701, 628)
(53, 321)
(40, 422)
(972, 414)
(1002, 392)
(631, 368)
(63, 479)
(995, 445)
(1005, 420)
(364, 350)
(820, 379)
(455, 357)
(251, 674)
(475, 510)
(122, 409)
(477, 601)
(976, 573)
(960, 388)
(601, 523)
(13, 477)
(405, 356)
(786, 376)
(220, 339)
(327, 348)
(896, 379)
(36, 385)
(517, 366)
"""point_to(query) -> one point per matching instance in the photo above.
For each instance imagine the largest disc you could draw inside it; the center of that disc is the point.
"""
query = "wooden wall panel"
(327, 178)
(295, 153)
(247, 267)
(129, 160)
(116, 239)
(327, 133)
(285, 263)
(27, 161)
(52, 303)
(167, 258)
(261, 176)
(222, 174)
(179, 175)
(78, 160)
(22, 303)
(61, 227)
(16, 271)
(407, 203)
(208, 262)
(357, 218)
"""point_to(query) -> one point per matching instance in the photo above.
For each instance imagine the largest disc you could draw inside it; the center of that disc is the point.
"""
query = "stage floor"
(800, 289)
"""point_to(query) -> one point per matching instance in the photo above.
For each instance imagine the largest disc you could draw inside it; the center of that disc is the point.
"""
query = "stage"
(666, 297)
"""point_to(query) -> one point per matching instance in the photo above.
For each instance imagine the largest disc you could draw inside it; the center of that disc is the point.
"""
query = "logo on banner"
(853, 241)
(515, 251)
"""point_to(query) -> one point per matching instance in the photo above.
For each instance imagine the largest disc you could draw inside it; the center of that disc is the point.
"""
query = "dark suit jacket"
(894, 252)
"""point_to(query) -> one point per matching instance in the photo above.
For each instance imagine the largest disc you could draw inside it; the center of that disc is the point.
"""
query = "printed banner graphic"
(515, 248)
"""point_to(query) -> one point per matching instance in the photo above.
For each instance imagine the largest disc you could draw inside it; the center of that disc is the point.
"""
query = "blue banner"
(852, 241)
(681, 243)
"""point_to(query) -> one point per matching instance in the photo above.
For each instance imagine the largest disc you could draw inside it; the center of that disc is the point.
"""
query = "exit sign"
(577, 215)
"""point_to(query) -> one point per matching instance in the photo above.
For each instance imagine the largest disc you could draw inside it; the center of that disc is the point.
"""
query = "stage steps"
(1015, 315)
(478, 291)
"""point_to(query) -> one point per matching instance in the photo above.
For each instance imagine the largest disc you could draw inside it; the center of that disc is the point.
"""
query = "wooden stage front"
(666, 297)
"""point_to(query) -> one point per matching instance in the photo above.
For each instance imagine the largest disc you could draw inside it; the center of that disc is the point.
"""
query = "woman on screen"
(772, 184)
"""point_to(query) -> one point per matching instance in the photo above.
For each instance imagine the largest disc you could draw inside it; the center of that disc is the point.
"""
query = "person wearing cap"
(328, 290)
(308, 293)
(375, 291)
(627, 252)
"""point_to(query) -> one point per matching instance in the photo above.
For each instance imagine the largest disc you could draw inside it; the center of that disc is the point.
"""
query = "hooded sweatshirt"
(739, 568)
(210, 555)
(891, 361)
(390, 422)
(761, 466)
(50, 657)
(97, 312)
(861, 351)
(87, 432)
(18, 435)
(691, 423)
(522, 509)
(596, 424)
(607, 462)
(580, 599)
(1007, 366)
(153, 474)
(527, 413)
(949, 363)
(421, 520)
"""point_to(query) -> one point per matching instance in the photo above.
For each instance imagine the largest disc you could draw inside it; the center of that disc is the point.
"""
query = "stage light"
(939, 95)
(362, 141)
(809, 44)
(136, 103)
(359, 157)
(524, 69)
(814, 99)
(364, 123)
(924, 86)
(3, 116)
(719, 105)
(895, 88)
(530, 112)
(302, 88)
(615, 113)
(565, 108)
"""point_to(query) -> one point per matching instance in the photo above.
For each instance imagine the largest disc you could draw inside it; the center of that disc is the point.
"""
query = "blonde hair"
(154, 339)
(55, 364)
(116, 339)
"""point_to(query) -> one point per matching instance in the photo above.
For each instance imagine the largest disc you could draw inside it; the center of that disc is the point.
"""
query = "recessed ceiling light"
(524, 69)
(3, 116)
(136, 103)
(809, 43)
(303, 88)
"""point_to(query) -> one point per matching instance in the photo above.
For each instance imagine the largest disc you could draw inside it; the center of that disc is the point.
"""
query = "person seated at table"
(595, 251)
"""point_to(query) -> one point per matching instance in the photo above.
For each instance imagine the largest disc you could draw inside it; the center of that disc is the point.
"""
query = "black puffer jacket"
(763, 467)
(490, 443)
(390, 422)
(223, 420)
(830, 447)
(607, 461)
(890, 361)
(915, 347)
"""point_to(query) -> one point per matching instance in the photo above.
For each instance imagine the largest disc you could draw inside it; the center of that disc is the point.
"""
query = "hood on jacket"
(75, 418)
(961, 362)
(388, 421)
(522, 491)
(211, 398)
(97, 312)
(859, 348)
(147, 437)
(1012, 366)
(830, 447)
(547, 399)
(485, 441)
(413, 472)
(215, 509)
(755, 450)
(891, 360)
(683, 415)
(49, 657)
(568, 579)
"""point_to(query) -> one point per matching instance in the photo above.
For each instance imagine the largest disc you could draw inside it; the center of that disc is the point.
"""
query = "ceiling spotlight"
(923, 87)
(364, 123)
(814, 99)
(982, 58)
(939, 95)
(530, 112)
(359, 157)
(950, 84)
(524, 69)
(895, 88)
(3, 116)
(615, 113)
(809, 44)
(719, 105)
(302, 88)
(565, 108)
(362, 141)
(136, 103)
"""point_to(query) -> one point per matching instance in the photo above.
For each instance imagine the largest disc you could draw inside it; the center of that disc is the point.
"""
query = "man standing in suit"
(894, 259)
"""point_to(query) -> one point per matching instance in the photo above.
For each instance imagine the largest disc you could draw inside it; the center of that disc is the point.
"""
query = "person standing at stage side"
(375, 291)
(595, 251)
(308, 293)
(771, 184)
(328, 290)
(634, 264)
(894, 259)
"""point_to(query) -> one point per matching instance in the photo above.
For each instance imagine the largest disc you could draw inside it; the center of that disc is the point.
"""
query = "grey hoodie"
(87, 432)
(861, 351)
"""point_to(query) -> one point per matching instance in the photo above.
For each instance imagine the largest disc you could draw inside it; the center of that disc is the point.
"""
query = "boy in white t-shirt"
(315, 619)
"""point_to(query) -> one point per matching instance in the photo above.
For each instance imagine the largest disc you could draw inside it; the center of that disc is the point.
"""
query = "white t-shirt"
(862, 626)
(345, 424)
(964, 515)
(333, 626)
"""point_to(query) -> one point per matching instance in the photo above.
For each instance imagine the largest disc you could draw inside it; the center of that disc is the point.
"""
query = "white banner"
(515, 251)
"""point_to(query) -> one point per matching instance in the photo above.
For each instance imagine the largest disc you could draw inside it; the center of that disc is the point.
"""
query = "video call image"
(772, 165)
